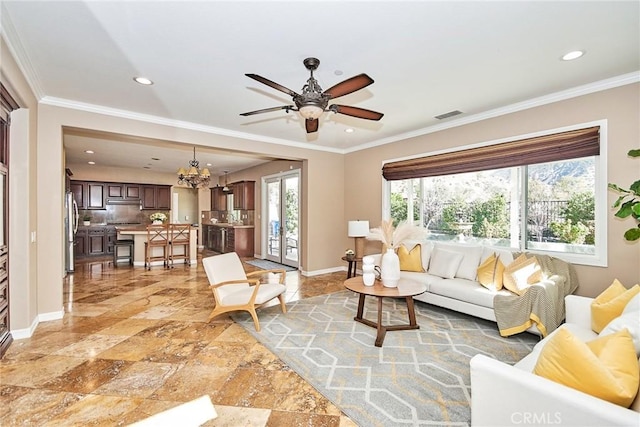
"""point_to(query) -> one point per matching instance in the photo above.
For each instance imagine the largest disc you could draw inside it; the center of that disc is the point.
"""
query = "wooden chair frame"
(179, 235)
(250, 306)
(157, 237)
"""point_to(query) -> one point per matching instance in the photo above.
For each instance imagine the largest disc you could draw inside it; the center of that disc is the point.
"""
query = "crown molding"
(574, 92)
(10, 35)
(148, 118)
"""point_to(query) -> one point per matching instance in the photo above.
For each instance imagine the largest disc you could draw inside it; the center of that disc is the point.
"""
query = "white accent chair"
(235, 290)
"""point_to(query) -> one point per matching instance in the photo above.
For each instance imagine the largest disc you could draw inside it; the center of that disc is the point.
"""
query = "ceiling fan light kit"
(313, 101)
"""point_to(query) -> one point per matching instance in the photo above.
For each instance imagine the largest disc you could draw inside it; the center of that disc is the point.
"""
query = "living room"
(338, 185)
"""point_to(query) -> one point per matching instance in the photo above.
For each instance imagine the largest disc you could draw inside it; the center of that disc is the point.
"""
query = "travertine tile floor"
(135, 342)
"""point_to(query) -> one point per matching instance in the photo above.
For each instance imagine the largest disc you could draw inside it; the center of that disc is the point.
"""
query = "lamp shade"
(358, 228)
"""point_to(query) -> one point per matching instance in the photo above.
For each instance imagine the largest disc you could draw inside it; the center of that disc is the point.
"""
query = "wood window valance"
(541, 149)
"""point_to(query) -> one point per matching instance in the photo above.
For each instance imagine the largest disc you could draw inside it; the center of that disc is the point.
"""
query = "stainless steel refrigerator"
(70, 228)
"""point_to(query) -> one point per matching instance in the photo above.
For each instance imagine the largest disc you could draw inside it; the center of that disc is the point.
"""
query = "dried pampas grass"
(392, 238)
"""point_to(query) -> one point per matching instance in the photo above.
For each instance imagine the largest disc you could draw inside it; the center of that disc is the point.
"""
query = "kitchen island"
(139, 234)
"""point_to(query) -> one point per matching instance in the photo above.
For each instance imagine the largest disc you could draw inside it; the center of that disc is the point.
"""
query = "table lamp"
(359, 230)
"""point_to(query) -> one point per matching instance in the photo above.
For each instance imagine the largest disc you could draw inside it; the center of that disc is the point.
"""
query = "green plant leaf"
(618, 189)
(625, 210)
(635, 187)
(632, 234)
(617, 202)
(635, 209)
(634, 153)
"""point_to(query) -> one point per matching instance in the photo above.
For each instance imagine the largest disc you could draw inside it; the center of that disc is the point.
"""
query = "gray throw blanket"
(542, 304)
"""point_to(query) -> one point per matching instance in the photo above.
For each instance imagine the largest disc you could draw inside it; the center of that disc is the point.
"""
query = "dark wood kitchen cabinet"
(218, 199)
(78, 190)
(97, 241)
(80, 244)
(95, 195)
(116, 191)
(244, 195)
(94, 241)
(156, 196)
(88, 194)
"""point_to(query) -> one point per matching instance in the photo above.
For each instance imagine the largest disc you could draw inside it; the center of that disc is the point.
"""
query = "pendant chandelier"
(193, 176)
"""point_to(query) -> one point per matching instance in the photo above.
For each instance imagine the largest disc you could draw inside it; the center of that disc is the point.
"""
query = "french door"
(281, 211)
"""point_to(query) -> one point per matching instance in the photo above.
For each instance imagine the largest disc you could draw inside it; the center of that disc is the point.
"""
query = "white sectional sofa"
(455, 286)
(505, 395)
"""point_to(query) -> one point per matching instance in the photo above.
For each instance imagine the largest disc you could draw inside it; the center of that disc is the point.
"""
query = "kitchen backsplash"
(246, 216)
(121, 214)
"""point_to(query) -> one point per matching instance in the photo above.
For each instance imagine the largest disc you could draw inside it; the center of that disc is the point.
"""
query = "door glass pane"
(273, 215)
(292, 206)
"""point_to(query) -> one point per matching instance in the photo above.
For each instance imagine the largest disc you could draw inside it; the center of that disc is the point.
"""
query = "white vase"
(368, 279)
(157, 222)
(390, 269)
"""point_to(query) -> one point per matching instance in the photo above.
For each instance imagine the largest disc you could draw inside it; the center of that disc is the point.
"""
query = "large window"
(556, 207)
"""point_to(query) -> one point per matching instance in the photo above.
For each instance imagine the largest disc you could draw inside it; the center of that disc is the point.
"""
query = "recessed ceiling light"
(146, 167)
(338, 72)
(92, 163)
(349, 130)
(573, 55)
(143, 81)
(209, 164)
(88, 151)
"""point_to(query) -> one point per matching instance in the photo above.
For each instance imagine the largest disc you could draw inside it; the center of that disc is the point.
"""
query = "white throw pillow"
(471, 255)
(444, 263)
(630, 321)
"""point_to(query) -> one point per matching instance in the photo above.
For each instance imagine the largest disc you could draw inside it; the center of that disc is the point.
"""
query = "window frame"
(599, 258)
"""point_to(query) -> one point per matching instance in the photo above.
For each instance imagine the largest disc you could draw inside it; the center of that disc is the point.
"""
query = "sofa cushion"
(444, 263)
(521, 273)
(464, 290)
(410, 260)
(606, 367)
(610, 304)
(471, 255)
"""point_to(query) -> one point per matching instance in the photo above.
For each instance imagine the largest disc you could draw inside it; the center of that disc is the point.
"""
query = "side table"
(352, 265)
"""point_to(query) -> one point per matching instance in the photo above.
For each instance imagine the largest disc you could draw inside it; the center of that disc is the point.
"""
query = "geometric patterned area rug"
(265, 264)
(418, 377)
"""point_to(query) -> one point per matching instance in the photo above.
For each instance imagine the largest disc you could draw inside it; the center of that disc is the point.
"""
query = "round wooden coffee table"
(406, 289)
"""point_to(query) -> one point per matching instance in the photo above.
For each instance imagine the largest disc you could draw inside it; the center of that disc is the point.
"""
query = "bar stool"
(179, 235)
(124, 243)
(157, 237)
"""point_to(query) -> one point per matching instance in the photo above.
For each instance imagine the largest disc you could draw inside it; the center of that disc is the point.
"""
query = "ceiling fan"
(312, 102)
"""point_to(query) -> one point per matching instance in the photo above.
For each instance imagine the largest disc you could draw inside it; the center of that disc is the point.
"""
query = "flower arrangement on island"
(349, 253)
(158, 217)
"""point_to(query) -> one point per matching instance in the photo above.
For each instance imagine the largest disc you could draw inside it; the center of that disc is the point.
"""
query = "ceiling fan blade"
(311, 125)
(350, 85)
(267, 110)
(272, 84)
(361, 113)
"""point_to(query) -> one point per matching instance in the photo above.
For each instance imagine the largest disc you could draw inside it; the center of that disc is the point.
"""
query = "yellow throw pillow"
(490, 273)
(606, 367)
(410, 260)
(521, 273)
(486, 270)
(610, 303)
